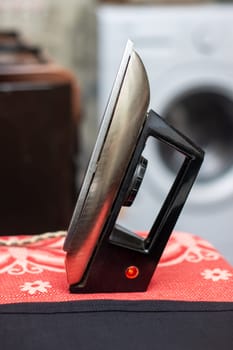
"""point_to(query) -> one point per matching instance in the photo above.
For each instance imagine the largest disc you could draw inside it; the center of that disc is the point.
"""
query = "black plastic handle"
(165, 221)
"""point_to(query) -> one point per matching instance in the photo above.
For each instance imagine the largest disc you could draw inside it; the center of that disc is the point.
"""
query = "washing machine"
(188, 55)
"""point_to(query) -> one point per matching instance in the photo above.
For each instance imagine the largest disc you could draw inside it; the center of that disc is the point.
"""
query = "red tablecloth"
(191, 269)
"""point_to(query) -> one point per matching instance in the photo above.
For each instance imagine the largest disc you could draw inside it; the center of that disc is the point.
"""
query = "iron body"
(98, 251)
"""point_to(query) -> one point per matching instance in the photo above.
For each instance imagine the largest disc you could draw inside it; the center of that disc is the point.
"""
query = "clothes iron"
(102, 256)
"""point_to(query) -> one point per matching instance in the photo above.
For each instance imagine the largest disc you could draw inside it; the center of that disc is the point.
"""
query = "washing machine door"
(201, 106)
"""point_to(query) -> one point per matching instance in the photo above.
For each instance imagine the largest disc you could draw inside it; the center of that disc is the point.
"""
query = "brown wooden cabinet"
(39, 115)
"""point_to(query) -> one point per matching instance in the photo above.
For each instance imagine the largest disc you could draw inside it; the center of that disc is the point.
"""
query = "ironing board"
(188, 305)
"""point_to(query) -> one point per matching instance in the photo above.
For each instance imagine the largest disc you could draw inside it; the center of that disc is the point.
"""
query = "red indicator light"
(132, 272)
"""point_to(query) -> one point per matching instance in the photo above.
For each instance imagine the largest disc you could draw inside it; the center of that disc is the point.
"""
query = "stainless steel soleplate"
(123, 120)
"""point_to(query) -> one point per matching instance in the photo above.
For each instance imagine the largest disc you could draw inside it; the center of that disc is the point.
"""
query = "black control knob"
(136, 182)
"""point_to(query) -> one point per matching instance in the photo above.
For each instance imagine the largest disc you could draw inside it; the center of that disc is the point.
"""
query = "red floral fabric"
(32, 270)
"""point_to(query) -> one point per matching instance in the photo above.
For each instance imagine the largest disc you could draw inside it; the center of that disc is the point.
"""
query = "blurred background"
(71, 52)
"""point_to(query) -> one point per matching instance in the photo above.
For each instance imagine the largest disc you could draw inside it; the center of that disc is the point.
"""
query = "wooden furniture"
(39, 115)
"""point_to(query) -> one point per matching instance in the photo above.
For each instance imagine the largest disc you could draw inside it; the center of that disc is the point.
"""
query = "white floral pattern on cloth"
(196, 265)
(33, 258)
(47, 254)
(36, 286)
(185, 247)
(216, 274)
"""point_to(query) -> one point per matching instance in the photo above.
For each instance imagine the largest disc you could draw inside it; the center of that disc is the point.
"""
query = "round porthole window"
(207, 118)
